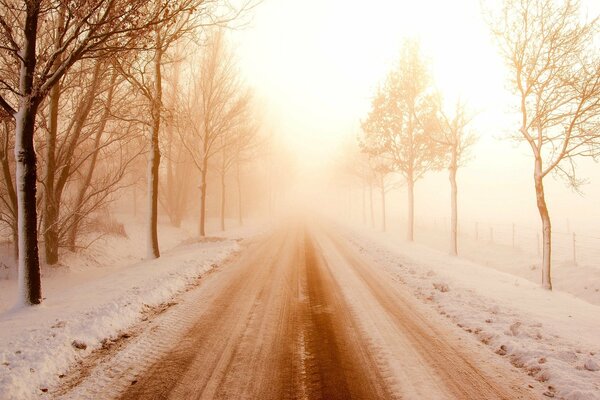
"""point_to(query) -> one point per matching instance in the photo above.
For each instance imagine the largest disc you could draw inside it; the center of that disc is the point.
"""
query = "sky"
(315, 65)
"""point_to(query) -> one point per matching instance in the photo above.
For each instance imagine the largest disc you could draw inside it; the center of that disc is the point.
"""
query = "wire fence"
(577, 248)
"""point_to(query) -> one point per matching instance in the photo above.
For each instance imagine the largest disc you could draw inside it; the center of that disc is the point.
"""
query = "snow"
(101, 294)
(552, 336)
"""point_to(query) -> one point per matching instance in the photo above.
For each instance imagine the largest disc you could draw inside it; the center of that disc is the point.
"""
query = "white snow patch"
(552, 336)
(93, 300)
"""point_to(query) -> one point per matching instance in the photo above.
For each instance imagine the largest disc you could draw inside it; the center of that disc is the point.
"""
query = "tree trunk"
(30, 289)
(10, 188)
(51, 212)
(223, 201)
(239, 192)
(383, 224)
(410, 184)
(79, 203)
(15, 238)
(453, 212)
(26, 177)
(153, 249)
(201, 228)
(546, 225)
(453, 202)
(50, 206)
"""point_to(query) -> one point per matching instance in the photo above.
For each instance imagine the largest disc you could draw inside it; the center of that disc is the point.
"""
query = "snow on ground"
(104, 290)
(552, 336)
(581, 280)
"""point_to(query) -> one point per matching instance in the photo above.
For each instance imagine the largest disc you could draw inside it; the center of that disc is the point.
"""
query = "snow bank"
(38, 343)
(552, 336)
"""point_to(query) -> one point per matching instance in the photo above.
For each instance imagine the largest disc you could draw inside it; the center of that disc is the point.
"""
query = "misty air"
(303, 200)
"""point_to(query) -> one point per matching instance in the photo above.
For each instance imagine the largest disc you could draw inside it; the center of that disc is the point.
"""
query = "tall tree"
(236, 145)
(217, 105)
(175, 190)
(452, 133)
(553, 59)
(86, 29)
(8, 193)
(145, 71)
(398, 126)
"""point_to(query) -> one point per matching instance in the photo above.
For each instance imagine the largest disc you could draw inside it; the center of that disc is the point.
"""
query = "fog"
(316, 67)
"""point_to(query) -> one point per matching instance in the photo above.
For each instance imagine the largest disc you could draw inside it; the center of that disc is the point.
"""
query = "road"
(301, 314)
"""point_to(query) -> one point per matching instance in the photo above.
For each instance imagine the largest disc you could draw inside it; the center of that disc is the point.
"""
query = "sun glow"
(327, 58)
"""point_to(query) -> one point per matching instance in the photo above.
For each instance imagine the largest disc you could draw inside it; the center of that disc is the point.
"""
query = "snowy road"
(299, 315)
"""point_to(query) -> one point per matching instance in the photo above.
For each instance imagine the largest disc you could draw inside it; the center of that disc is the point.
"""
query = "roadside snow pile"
(552, 336)
(38, 343)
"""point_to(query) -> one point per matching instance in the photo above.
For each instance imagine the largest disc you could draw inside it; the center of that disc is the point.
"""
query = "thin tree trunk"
(153, 248)
(222, 202)
(383, 222)
(453, 208)
(546, 225)
(410, 183)
(239, 192)
(73, 232)
(10, 188)
(223, 195)
(30, 288)
(51, 203)
(50, 206)
(201, 228)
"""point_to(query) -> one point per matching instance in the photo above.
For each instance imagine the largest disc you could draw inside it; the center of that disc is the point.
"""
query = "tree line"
(550, 50)
(90, 88)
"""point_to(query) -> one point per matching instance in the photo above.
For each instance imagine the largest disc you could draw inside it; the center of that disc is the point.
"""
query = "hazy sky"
(316, 64)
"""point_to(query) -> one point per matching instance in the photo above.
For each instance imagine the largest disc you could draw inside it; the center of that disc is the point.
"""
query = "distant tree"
(382, 174)
(217, 105)
(452, 134)
(175, 190)
(236, 145)
(554, 62)
(398, 126)
(145, 70)
(354, 164)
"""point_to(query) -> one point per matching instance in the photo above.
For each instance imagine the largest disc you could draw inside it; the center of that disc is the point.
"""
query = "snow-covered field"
(552, 336)
(581, 279)
(94, 296)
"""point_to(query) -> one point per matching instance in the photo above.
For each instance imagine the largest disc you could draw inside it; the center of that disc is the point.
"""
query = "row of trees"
(82, 96)
(551, 54)
(410, 131)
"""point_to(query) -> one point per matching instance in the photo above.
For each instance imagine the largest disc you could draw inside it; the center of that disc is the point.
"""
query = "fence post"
(574, 250)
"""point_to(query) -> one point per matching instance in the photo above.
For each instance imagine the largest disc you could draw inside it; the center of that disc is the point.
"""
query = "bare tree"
(398, 126)
(145, 71)
(62, 141)
(236, 146)
(554, 63)
(84, 29)
(8, 193)
(452, 133)
(102, 161)
(175, 190)
(217, 105)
